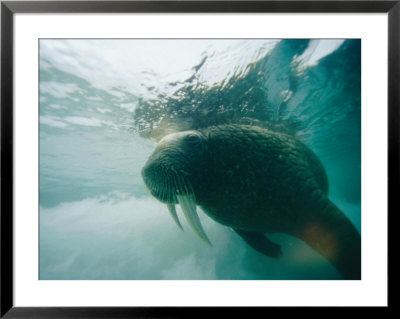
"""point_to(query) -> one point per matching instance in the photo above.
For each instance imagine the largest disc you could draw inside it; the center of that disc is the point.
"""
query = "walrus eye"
(193, 139)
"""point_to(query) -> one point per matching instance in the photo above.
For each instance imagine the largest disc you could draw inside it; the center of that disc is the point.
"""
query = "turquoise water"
(105, 103)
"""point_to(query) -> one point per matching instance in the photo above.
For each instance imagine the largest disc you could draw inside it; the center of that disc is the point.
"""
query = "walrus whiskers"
(167, 189)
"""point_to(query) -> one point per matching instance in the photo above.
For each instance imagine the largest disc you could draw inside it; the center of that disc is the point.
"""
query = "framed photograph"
(168, 158)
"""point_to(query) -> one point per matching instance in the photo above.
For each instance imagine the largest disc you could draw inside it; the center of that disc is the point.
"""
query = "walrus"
(257, 181)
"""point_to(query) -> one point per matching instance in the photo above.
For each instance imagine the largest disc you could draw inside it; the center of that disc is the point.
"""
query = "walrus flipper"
(260, 243)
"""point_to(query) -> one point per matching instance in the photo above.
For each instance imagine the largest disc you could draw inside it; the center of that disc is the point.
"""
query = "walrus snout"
(162, 182)
(168, 171)
(155, 183)
(164, 174)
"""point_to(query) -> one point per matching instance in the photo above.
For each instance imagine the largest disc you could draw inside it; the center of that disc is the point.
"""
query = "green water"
(103, 103)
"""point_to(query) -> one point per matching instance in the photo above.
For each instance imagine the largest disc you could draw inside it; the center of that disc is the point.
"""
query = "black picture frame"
(9, 8)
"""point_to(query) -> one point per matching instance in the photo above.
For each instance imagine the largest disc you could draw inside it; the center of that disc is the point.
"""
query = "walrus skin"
(256, 181)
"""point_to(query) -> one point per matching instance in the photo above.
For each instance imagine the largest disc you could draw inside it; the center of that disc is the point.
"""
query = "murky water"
(105, 103)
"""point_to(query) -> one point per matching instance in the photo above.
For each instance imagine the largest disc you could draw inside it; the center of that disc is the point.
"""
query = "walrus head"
(170, 171)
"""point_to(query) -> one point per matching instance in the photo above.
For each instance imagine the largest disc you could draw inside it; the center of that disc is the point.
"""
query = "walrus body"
(256, 181)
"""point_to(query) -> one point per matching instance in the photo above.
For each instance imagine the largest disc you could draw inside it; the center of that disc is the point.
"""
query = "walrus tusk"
(188, 206)
(172, 211)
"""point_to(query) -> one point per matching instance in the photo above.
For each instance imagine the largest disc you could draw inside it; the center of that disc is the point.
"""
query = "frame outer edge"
(6, 265)
(393, 117)
(6, 117)
(202, 6)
